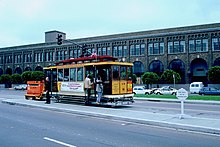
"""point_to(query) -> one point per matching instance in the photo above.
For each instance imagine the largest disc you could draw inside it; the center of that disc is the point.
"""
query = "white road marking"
(59, 142)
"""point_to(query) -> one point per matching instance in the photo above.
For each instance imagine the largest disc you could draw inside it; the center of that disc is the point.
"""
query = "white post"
(173, 81)
(182, 110)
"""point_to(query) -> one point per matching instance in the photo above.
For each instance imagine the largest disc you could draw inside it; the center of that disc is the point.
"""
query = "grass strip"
(191, 97)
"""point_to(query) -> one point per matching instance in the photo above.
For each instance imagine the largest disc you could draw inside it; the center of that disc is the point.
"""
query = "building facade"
(190, 51)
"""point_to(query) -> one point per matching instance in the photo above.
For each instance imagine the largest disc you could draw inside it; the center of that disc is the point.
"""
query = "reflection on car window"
(60, 74)
(80, 74)
(116, 72)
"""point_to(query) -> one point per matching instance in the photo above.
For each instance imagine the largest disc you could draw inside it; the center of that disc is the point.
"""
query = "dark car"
(209, 91)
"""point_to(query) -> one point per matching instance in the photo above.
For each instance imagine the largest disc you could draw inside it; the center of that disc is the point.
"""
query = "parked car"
(166, 90)
(209, 91)
(21, 87)
(141, 90)
(195, 87)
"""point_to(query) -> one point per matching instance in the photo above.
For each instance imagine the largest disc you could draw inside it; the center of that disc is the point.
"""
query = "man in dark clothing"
(47, 89)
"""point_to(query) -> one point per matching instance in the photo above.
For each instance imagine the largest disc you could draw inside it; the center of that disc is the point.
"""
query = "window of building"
(66, 55)
(198, 45)
(125, 51)
(157, 67)
(99, 51)
(176, 47)
(120, 51)
(47, 56)
(104, 51)
(79, 52)
(108, 51)
(1, 60)
(156, 48)
(115, 51)
(215, 44)
(137, 50)
(75, 54)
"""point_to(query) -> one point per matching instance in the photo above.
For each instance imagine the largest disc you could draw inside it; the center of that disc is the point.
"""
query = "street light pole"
(173, 80)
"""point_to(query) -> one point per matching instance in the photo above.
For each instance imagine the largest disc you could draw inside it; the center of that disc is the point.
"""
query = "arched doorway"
(178, 66)
(39, 68)
(138, 68)
(8, 71)
(217, 62)
(199, 70)
(157, 67)
(28, 69)
(18, 70)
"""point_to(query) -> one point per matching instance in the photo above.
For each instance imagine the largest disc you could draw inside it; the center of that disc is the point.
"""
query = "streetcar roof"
(86, 59)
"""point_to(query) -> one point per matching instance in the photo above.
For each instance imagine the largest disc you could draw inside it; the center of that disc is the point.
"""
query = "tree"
(150, 78)
(32, 76)
(167, 77)
(214, 75)
(6, 79)
(37, 75)
(16, 78)
(26, 76)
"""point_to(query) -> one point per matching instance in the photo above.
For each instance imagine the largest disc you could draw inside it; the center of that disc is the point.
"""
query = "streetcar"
(67, 79)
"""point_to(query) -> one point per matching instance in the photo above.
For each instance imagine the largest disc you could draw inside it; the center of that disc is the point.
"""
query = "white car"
(141, 90)
(166, 90)
(21, 87)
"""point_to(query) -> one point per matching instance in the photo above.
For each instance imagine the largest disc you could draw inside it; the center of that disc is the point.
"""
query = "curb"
(178, 101)
(177, 126)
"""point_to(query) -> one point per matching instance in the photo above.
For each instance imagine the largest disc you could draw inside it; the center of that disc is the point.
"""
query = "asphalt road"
(25, 127)
(195, 110)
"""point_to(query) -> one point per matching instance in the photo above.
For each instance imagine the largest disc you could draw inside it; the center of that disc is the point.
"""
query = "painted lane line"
(59, 142)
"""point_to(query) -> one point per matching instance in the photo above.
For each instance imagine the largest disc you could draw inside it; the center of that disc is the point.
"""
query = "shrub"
(16, 79)
(150, 78)
(167, 77)
(214, 75)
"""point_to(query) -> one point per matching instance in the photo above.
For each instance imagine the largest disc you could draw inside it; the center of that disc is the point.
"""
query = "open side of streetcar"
(67, 79)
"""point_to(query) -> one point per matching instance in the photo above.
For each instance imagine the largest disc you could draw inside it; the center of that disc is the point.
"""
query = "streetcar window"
(123, 72)
(72, 74)
(80, 74)
(60, 74)
(66, 74)
(115, 72)
(54, 74)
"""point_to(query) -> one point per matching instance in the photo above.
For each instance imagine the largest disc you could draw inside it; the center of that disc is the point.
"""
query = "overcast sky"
(25, 21)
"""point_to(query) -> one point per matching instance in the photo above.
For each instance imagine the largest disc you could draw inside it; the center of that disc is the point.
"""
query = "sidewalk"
(189, 123)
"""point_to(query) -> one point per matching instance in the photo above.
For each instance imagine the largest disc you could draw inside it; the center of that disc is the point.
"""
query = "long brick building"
(189, 50)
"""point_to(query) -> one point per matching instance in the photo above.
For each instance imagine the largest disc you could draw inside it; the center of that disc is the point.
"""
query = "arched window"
(157, 67)
(138, 68)
(18, 70)
(8, 71)
(27, 69)
(199, 70)
(217, 62)
(39, 68)
(178, 66)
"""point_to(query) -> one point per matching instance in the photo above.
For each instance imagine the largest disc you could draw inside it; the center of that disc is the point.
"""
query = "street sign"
(182, 94)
